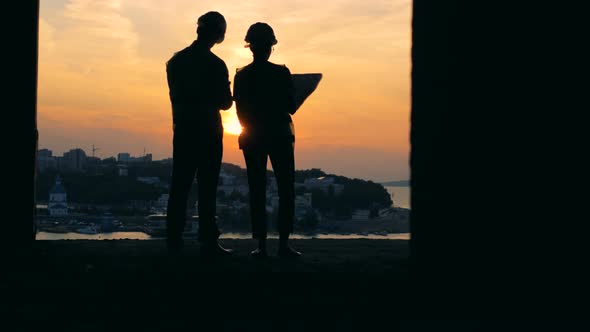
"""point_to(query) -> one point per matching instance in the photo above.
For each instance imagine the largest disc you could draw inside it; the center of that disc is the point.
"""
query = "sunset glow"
(231, 124)
(102, 77)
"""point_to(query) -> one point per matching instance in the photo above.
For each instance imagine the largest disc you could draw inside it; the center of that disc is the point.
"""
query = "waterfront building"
(162, 201)
(154, 180)
(58, 203)
(122, 170)
(323, 183)
(303, 201)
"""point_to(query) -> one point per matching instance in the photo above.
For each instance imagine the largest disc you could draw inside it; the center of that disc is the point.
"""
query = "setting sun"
(231, 124)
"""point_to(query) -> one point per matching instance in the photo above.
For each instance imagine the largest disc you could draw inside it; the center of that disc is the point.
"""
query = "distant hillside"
(404, 183)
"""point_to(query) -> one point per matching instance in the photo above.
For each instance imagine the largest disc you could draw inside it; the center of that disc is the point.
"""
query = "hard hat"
(260, 34)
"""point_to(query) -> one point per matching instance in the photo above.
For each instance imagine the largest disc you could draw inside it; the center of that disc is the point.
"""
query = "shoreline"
(44, 235)
(391, 221)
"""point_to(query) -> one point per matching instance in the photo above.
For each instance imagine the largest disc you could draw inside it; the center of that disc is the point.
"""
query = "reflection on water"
(144, 236)
(391, 236)
(400, 196)
(101, 236)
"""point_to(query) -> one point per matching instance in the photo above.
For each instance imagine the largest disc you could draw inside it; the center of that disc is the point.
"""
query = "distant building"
(92, 160)
(225, 178)
(360, 214)
(166, 161)
(303, 201)
(160, 205)
(227, 190)
(141, 205)
(242, 189)
(122, 170)
(302, 205)
(273, 202)
(44, 153)
(228, 183)
(237, 205)
(323, 183)
(41, 210)
(73, 160)
(58, 203)
(123, 157)
(109, 160)
(162, 201)
(149, 179)
(272, 184)
(45, 160)
(126, 158)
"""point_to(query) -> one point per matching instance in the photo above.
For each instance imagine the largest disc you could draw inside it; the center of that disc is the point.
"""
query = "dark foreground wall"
(498, 135)
(19, 134)
(452, 84)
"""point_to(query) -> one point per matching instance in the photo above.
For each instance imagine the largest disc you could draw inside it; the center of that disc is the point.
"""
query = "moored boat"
(91, 229)
(155, 226)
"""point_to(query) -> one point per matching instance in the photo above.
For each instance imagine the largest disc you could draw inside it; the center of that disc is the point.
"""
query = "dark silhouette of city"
(265, 99)
(199, 88)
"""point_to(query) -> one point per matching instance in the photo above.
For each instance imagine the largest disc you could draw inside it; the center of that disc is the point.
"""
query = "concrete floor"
(135, 285)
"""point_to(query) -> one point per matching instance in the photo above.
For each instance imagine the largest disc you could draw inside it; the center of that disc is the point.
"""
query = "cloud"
(46, 38)
(98, 30)
(102, 65)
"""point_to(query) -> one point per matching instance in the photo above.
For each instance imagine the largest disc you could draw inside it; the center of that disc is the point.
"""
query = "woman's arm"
(242, 107)
(289, 92)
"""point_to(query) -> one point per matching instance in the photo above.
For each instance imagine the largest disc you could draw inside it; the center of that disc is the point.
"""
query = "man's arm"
(225, 98)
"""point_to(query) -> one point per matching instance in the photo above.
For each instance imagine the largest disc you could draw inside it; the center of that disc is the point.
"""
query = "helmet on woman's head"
(260, 34)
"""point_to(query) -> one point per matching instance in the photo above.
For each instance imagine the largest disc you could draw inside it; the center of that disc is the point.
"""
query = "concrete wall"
(19, 133)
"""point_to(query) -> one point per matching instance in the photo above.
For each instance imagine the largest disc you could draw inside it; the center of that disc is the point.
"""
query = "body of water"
(400, 196)
(144, 236)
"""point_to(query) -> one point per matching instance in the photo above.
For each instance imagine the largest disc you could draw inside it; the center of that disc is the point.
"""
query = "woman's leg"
(256, 170)
(283, 163)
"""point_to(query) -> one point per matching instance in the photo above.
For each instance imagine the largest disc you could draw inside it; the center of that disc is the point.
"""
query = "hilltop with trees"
(106, 186)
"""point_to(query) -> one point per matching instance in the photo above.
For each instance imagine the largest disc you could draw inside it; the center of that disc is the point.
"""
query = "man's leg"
(207, 177)
(183, 173)
(256, 169)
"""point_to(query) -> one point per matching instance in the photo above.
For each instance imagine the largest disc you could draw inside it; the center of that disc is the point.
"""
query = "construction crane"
(94, 150)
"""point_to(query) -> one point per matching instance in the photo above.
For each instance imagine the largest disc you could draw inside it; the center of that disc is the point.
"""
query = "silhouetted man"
(199, 88)
(264, 96)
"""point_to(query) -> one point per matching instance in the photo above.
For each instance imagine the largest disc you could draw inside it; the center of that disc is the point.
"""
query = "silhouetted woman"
(264, 96)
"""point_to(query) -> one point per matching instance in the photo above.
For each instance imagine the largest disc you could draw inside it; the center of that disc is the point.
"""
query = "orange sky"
(102, 76)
